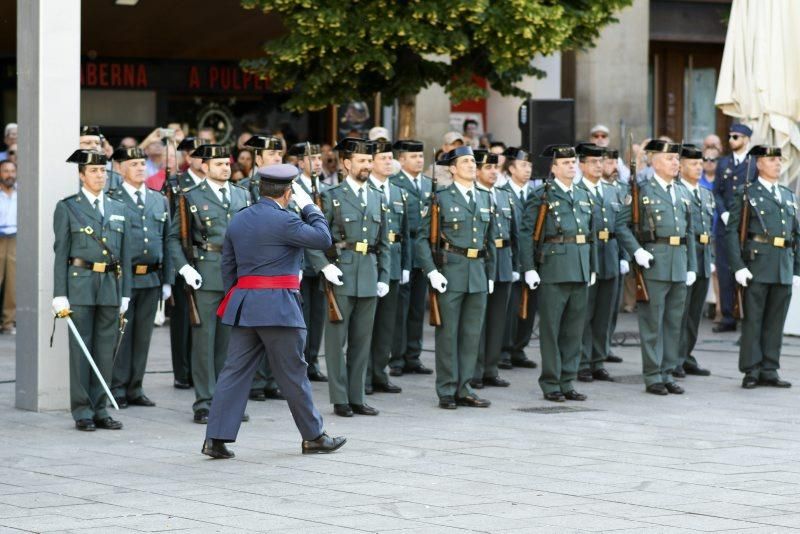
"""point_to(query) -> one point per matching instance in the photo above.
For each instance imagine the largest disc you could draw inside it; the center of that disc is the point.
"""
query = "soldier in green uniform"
(180, 333)
(400, 247)
(358, 266)
(607, 201)
(314, 303)
(768, 266)
(611, 178)
(407, 343)
(660, 246)
(702, 208)
(463, 276)
(566, 257)
(267, 150)
(505, 241)
(211, 206)
(148, 217)
(92, 280)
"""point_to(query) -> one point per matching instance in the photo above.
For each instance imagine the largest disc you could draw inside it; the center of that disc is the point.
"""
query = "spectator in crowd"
(156, 157)
(8, 245)
(237, 171)
(128, 142)
(470, 133)
(601, 136)
(242, 139)
(713, 141)
(9, 138)
(710, 157)
(208, 135)
(245, 161)
(485, 141)
(329, 168)
(90, 138)
(12, 153)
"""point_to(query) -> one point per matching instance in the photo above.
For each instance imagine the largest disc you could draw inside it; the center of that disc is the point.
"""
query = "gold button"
(143, 217)
(74, 274)
(474, 240)
(202, 257)
(145, 240)
(364, 228)
(145, 251)
(105, 253)
(474, 229)
(105, 239)
(145, 228)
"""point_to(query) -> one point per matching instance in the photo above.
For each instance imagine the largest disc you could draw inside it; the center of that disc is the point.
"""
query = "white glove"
(724, 218)
(123, 307)
(332, 274)
(166, 292)
(491, 286)
(300, 276)
(514, 276)
(713, 268)
(624, 267)
(191, 276)
(383, 289)
(438, 281)
(592, 279)
(300, 197)
(691, 278)
(405, 276)
(643, 258)
(532, 279)
(796, 282)
(744, 274)
(59, 304)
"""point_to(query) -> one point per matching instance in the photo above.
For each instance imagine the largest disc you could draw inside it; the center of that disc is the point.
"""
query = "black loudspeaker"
(546, 122)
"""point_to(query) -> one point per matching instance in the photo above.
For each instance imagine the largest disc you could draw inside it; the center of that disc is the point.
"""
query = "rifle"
(188, 250)
(641, 287)
(744, 223)
(538, 238)
(334, 313)
(435, 240)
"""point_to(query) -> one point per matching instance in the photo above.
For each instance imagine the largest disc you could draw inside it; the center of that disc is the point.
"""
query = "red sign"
(116, 75)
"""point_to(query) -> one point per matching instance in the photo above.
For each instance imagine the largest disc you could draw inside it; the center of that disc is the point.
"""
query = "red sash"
(287, 281)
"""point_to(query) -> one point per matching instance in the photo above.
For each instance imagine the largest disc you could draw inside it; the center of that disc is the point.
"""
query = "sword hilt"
(66, 312)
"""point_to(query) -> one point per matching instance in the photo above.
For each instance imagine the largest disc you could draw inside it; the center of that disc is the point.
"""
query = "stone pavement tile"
(404, 510)
(261, 503)
(771, 487)
(437, 498)
(332, 498)
(40, 500)
(318, 529)
(511, 510)
(728, 510)
(428, 529)
(375, 523)
(786, 520)
(545, 499)
(156, 523)
(704, 523)
(262, 522)
(573, 488)
(105, 529)
(613, 509)
(590, 523)
(45, 523)
(95, 511)
(647, 498)
(80, 488)
(481, 522)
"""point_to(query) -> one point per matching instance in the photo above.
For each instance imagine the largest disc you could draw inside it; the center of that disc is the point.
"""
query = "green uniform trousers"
(129, 367)
(692, 313)
(315, 306)
(407, 344)
(180, 333)
(659, 327)
(457, 341)
(599, 309)
(99, 329)
(493, 332)
(518, 332)
(561, 312)
(209, 347)
(765, 309)
(612, 324)
(347, 369)
(383, 335)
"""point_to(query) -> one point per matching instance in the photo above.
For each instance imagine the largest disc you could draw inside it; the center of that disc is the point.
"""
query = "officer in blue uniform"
(729, 184)
(261, 259)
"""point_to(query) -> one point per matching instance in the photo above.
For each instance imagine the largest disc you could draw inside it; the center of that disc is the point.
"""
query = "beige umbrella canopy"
(759, 81)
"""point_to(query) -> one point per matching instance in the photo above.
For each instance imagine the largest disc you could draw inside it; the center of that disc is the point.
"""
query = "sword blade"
(99, 376)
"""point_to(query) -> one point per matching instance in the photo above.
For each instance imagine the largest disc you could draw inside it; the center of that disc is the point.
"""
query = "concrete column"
(48, 88)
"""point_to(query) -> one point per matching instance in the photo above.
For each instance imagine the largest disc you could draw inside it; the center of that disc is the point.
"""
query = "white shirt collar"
(482, 187)
(412, 178)
(767, 184)
(594, 188)
(564, 188)
(92, 197)
(132, 190)
(464, 190)
(738, 158)
(356, 186)
(306, 181)
(662, 183)
(194, 177)
(216, 188)
(517, 189)
(689, 186)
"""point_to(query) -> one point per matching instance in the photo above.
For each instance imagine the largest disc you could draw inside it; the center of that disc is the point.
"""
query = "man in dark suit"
(261, 259)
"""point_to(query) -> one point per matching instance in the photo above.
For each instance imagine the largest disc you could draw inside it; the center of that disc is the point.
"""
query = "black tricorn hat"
(91, 130)
(264, 142)
(87, 157)
(124, 154)
(450, 157)
(558, 151)
(691, 152)
(210, 151)
(408, 145)
(589, 150)
(281, 173)
(765, 151)
(659, 145)
(381, 147)
(190, 143)
(612, 153)
(515, 153)
(484, 157)
(304, 149)
(355, 145)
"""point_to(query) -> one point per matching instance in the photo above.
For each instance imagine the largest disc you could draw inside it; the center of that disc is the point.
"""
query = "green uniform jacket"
(82, 286)
(113, 181)
(350, 222)
(702, 226)
(769, 264)
(308, 269)
(604, 217)
(148, 237)
(253, 186)
(208, 223)
(462, 228)
(506, 235)
(397, 229)
(661, 220)
(560, 262)
(418, 201)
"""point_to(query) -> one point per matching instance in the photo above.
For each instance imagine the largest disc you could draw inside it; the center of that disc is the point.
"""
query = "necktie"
(416, 184)
(776, 193)
(361, 197)
(139, 200)
(697, 195)
(383, 192)
(598, 194)
(470, 201)
(569, 192)
(224, 193)
(669, 192)
(522, 196)
(97, 206)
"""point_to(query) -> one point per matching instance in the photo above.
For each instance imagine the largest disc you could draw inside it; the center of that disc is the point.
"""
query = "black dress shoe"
(525, 363)
(180, 384)
(245, 417)
(419, 370)
(585, 375)
(316, 376)
(657, 389)
(775, 383)
(724, 328)
(85, 425)
(343, 410)
(554, 396)
(364, 409)
(505, 364)
(496, 382)
(574, 396)
(257, 395)
(274, 394)
(388, 387)
(679, 372)
(602, 375)
(674, 388)
(476, 383)
(695, 370)
(216, 449)
(395, 371)
(141, 401)
(201, 416)
(749, 382)
(122, 402)
(368, 389)
(612, 358)
(447, 403)
(108, 423)
(323, 444)
(473, 401)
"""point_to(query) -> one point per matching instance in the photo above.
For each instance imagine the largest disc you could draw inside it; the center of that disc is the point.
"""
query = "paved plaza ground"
(718, 458)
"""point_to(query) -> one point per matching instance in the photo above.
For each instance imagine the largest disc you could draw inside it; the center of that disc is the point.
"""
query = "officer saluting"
(261, 258)
(92, 279)
(767, 264)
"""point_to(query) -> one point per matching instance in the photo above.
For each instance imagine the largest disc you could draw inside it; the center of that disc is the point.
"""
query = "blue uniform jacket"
(267, 240)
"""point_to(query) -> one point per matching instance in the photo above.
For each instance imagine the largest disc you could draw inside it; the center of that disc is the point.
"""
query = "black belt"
(502, 243)
(471, 253)
(395, 237)
(605, 235)
(580, 239)
(96, 266)
(412, 234)
(209, 247)
(146, 268)
(359, 247)
(777, 242)
(703, 239)
(673, 240)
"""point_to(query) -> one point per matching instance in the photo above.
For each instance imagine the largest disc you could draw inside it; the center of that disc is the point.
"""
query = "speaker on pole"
(546, 122)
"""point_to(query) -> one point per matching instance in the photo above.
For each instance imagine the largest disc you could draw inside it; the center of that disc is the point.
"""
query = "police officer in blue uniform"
(261, 259)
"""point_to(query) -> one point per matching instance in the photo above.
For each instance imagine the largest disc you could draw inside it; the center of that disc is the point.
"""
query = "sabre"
(123, 322)
(65, 315)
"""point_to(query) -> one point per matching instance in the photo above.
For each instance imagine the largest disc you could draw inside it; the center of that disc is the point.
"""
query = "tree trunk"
(407, 117)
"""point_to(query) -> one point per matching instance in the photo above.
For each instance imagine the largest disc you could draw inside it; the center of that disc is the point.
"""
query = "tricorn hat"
(210, 151)
(87, 157)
